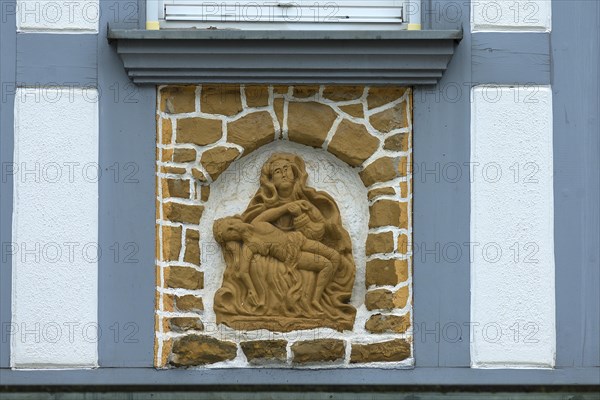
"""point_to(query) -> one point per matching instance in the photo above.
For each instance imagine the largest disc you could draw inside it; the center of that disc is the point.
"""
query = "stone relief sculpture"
(288, 258)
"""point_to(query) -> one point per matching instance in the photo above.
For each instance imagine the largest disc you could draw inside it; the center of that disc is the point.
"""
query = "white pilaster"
(512, 227)
(59, 16)
(55, 229)
(509, 15)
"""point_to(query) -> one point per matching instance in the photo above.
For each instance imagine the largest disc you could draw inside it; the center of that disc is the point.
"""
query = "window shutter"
(283, 14)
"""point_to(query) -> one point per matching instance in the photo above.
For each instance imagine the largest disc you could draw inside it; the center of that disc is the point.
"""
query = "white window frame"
(283, 14)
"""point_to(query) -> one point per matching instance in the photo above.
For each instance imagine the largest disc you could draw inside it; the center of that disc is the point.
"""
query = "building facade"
(451, 174)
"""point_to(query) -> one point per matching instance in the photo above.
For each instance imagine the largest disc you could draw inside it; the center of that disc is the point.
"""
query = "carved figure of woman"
(299, 297)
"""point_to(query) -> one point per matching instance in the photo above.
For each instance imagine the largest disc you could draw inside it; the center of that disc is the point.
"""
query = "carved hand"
(294, 209)
(297, 207)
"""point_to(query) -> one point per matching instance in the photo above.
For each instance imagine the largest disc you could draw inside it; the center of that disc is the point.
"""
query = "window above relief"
(283, 14)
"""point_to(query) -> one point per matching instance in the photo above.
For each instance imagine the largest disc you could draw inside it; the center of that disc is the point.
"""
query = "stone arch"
(201, 130)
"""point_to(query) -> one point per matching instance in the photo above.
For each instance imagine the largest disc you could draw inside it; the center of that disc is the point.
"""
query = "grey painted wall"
(575, 45)
(7, 89)
(127, 214)
(441, 207)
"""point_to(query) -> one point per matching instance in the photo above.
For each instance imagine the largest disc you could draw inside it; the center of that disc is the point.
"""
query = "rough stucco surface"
(55, 229)
(494, 15)
(58, 16)
(512, 226)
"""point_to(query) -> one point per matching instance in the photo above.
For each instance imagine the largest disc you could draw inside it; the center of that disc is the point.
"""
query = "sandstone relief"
(289, 263)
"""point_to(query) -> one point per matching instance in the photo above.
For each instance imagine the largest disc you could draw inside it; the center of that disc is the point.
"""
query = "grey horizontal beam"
(301, 47)
(345, 377)
(252, 394)
(51, 59)
(153, 80)
(510, 58)
(195, 34)
(289, 57)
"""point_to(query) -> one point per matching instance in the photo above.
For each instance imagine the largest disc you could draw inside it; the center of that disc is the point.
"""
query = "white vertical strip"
(59, 16)
(512, 228)
(55, 229)
(507, 15)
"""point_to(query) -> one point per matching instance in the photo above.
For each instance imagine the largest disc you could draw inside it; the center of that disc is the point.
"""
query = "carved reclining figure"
(244, 240)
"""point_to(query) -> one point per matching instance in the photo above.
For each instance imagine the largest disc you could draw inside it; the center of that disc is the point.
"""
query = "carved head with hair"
(282, 177)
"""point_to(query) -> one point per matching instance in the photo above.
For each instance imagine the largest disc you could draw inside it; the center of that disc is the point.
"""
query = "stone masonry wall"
(201, 130)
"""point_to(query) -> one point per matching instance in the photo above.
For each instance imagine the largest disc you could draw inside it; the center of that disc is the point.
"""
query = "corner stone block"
(383, 299)
(216, 160)
(386, 191)
(257, 95)
(204, 192)
(309, 122)
(189, 302)
(200, 350)
(183, 324)
(171, 237)
(405, 166)
(157, 228)
(305, 91)
(175, 188)
(167, 346)
(199, 131)
(184, 155)
(384, 213)
(355, 110)
(393, 350)
(378, 96)
(380, 243)
(192, 246)
(178, 99)
(221, 99)
(319, 350)
(278, 108)
(403, 243)
(386, 272)
(381, 170)
(251, 131)
(167, 154)
(404, 190)
(352, 143)
(343, 93)
(167, 169)
(265, 351)
(184, 213)
(403, 215)
(380, 323)
(280, 89)
(184, 278)
(167, 131)
(391, 119)
(168, 301)
(400, 298)
(379, 299)
(397, 142)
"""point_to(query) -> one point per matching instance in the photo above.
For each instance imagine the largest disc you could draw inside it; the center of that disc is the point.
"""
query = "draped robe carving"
(289, 262)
